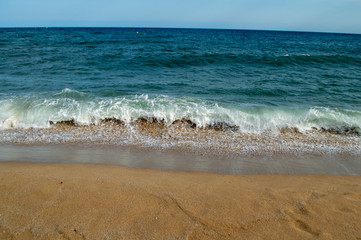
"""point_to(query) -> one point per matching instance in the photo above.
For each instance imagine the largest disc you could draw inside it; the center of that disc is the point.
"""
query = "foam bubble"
(11, 122)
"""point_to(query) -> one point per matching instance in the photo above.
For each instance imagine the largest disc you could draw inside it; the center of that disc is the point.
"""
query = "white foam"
(11, 122)
(38, 111)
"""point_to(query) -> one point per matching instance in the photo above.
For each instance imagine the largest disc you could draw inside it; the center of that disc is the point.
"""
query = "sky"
(342, 16)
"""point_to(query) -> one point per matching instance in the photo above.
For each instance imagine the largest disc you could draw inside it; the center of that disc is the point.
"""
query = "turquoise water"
(253, 82)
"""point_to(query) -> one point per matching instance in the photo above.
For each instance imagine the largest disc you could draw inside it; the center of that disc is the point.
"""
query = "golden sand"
(75, 201)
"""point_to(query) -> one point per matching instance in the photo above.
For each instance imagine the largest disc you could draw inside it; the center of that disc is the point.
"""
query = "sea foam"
(40, 111)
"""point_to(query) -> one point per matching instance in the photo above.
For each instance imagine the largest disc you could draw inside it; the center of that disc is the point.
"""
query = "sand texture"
(75, 201)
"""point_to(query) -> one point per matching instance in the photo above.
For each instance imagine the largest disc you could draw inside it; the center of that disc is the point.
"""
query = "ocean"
(226, 92)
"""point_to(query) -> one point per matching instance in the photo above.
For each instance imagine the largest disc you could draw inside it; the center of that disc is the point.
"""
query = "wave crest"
(81, 109)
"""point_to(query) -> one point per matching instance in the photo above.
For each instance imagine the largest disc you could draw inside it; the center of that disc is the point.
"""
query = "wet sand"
(168, 159)
(84, 201)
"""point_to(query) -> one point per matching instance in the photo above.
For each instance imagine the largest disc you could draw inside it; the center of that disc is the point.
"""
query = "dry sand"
(75, 201)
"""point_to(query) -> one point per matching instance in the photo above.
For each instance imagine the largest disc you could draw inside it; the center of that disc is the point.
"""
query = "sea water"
(196, 90)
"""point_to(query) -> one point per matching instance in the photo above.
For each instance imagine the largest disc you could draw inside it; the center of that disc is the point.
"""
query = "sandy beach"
(207, 130)
(84, 201)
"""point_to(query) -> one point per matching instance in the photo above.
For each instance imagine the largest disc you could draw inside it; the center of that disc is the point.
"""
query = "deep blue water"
(257, 80)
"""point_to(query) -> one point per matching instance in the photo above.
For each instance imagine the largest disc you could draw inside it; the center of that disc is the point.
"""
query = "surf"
(44, 110)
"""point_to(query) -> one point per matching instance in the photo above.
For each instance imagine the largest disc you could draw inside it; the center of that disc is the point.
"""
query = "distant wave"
(173, 59)
(182, 60)
(78, 108)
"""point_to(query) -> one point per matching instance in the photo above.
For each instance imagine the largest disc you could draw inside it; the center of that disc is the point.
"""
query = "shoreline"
(184, 135)
(136, 156)
(85, 201)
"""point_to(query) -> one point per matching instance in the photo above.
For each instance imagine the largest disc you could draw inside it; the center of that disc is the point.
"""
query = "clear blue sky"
(302, 15)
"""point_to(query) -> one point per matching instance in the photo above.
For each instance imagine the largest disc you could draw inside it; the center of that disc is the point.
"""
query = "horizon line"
(185, 28)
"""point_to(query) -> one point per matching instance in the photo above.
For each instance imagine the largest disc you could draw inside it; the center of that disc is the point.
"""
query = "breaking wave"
(79, 108)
